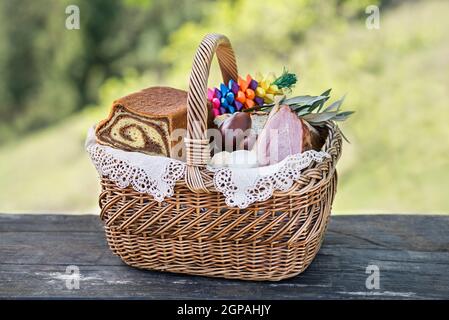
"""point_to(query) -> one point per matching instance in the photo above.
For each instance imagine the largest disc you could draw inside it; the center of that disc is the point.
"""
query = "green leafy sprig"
(311, 108)
(286, 80)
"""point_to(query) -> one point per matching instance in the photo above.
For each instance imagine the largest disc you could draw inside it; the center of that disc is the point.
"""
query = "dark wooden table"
(411, 253)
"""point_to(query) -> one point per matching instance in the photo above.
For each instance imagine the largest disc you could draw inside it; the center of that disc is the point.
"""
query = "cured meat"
(281, 136)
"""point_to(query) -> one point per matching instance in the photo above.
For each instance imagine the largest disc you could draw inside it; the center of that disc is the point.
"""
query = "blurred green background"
(55, 83)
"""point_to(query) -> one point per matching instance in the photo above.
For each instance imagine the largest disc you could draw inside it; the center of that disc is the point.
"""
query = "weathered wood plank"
(402, 232)
(412, 253)
(49, 223)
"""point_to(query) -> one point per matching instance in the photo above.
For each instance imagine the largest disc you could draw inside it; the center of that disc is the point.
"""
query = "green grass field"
(396, 78)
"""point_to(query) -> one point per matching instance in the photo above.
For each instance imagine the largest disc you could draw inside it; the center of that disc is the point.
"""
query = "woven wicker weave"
(194, 232)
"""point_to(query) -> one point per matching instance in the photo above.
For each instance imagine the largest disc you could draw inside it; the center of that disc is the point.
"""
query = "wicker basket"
(194, 232)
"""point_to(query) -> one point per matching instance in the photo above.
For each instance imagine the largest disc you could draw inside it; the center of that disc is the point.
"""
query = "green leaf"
(344, 137)
(319, 117)
(304, 100)
(320, 104)
(335, 106)
(298, 107)
(342, 116)
(309, 108)
(326, 94)
(302, 112)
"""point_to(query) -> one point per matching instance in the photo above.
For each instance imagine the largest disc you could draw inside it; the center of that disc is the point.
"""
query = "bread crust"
(154, 102)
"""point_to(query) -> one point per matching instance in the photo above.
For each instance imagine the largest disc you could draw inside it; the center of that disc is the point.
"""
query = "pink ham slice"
(281, 136)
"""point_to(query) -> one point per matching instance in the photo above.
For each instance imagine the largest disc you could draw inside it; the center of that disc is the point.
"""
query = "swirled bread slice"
(144, 122)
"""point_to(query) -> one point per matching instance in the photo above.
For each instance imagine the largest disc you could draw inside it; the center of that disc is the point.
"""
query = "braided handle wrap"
(196, 141)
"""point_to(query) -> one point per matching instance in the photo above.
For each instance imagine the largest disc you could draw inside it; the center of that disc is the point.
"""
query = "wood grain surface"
(411, 252)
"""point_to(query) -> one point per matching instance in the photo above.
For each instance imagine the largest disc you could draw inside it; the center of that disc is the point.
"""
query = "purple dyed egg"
(223, 110)
(238, 105)
(258, 101)
(217, 93)
(253, 84)
(235, 88)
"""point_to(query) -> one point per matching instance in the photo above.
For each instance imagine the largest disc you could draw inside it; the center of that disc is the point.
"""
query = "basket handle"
(196, 141)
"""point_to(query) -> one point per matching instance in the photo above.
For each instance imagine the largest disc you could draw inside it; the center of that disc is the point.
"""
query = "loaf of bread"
(144, 122)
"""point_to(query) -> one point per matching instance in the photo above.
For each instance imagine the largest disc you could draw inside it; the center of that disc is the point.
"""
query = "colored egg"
(264, 84)
(273, 89)
(230, 82)
(216, 103)
(242, 84)
(217, 93)
(260, 92)
(253, 84)
(224, 102)
(241, 97)
(249, 103)
(230, 97)
(250, 94)
(216, 112)
(235, 88)
(238, 105)
(258, 101)
(223, 89)
(210, 94)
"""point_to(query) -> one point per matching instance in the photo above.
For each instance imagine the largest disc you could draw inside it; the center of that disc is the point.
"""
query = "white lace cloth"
(146, 174)
(157, 175)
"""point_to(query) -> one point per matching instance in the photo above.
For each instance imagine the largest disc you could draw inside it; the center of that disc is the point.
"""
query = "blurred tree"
(48, 71)
(262, 31)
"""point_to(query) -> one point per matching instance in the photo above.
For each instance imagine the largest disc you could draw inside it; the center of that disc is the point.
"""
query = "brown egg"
(313, 137)
(234, 129)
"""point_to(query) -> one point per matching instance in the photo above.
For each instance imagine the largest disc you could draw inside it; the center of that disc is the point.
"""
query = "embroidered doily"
(157, 175)
(242, 187)
(146, 174)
